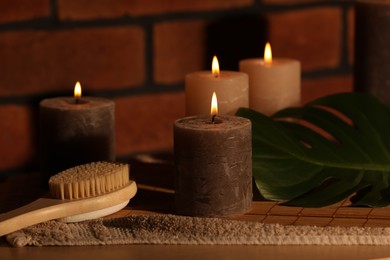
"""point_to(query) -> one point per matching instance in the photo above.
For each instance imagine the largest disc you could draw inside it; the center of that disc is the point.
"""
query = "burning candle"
(213, 158)
(76, 130)
(231, 86)
(274, 84)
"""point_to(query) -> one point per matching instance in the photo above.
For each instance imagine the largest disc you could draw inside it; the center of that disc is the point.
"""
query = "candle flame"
(77, 90)
(215, 67)
(268, 53)
(214, 105)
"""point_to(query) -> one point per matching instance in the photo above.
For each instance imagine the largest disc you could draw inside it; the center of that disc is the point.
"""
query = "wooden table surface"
(154, 176)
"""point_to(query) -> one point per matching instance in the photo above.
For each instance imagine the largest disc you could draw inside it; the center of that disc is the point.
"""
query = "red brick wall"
(138, 51)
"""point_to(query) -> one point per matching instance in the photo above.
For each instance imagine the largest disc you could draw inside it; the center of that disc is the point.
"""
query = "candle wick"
(77, 100)
(213, 119)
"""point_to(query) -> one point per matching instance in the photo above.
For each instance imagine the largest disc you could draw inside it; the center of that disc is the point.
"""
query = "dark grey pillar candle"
(372, 48)
(213, 166)
(76, 133)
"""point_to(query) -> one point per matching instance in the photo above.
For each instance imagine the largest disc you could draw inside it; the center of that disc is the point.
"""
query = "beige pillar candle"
(213, 165)
(76, 130)
(274, 84)
(231, 87)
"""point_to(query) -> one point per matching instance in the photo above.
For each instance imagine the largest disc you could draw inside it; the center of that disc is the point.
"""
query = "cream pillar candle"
(213, 165)
(231, 87)
(274, 84)
(75, 130)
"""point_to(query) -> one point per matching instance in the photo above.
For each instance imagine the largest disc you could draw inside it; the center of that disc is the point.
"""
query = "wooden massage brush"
(83, 192)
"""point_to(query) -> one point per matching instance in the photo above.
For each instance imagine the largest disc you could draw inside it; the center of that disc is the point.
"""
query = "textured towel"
(170, 229)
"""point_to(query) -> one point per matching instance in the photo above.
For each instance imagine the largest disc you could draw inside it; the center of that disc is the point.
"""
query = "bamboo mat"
(271, 212)
(151, 199)
(337, 215)
(160, 201)
(156, 196)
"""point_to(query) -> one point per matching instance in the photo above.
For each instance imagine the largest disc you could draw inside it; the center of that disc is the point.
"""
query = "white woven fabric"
(171, 229)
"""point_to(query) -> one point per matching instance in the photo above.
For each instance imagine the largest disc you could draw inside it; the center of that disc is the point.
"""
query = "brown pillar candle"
(372, 48)
(213, 165)
(75, 131)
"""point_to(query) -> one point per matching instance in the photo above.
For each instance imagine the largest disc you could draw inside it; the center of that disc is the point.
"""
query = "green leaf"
(324, 152)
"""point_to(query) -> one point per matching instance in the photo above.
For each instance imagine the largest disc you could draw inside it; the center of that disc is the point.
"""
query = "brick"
(178, 49)
(20, 10)
(145, 122)
(316, 88)
(85, 9)
(312, 36)
(17, 136)
(44, 61)
(351, 35)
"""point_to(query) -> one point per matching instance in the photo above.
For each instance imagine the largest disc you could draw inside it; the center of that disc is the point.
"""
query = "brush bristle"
(89, 180)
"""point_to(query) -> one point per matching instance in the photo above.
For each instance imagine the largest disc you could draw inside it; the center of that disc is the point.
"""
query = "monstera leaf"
(331, 149)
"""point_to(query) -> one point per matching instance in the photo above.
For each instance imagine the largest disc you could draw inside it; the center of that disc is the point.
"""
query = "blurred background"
(137, 52)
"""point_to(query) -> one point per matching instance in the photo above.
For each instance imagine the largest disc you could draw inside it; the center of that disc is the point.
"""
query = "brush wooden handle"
(45, 209)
